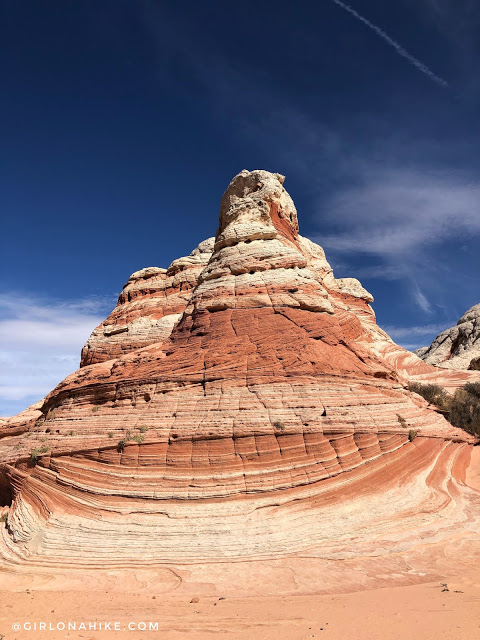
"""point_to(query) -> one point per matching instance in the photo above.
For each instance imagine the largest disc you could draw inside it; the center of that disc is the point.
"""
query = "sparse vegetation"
(412, 434)
(95, 409)
(51, 413)
(37, 452)
(432, 393)
(139, 438)
(462, 409)
(110, 434)
(473, 388)
(143, 429)
(279, 425)
(402, 421)
(4, 517)
(121, 446)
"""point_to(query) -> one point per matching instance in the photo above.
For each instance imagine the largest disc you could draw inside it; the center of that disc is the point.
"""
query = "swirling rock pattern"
(241, 404)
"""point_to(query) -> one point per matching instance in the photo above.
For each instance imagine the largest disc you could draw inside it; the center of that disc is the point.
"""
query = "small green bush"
(139, 438)
(432, 393)
(95, 409)
(473, 388)
(402, 421)
(143, 429)
(279, 425)
(412, 434)
(110, 434)
(465, 410)
(4, 517)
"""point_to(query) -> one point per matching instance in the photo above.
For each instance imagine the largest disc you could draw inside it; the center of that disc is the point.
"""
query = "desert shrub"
(4, 517)
(473, 388)
(139, 438)
(412, 434)
(37, 452)
(95, 408)
(402, 421)
(462, 409)
(110, 434)
(465, 411)
(121, 446)
(143, 429)
(279, 425)
(432, 393)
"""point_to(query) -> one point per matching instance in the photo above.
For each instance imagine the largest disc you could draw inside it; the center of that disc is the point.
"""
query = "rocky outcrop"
(151, 302)
(458, 347)
(271, 411)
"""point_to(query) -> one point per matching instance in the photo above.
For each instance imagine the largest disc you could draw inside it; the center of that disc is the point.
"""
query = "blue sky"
(123, 122)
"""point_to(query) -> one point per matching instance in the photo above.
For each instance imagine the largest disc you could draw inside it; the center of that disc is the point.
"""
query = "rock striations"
(458, 347)
(242, 403)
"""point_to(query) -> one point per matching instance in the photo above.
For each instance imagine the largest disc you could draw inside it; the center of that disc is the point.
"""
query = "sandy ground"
(423, 611)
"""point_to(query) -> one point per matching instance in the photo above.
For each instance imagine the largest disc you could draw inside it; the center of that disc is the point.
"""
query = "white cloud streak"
(392, 213)
(422, 330)
(40, 344)
(393, 43)
(421, 299)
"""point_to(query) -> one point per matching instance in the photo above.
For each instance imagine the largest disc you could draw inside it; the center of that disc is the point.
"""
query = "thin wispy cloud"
(415, 331)
(421, 299)
(403, 220)
(40, 344)
(397, 212)
(393, 43)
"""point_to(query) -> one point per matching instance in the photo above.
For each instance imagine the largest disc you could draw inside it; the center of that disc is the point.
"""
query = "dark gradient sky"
(124, 121)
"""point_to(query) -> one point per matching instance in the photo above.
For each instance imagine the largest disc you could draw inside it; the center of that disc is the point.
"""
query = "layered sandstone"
(270, 411)
(151, 302)
(457, 347)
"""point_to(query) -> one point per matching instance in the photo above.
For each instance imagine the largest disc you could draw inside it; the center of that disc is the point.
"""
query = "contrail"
(398, 48)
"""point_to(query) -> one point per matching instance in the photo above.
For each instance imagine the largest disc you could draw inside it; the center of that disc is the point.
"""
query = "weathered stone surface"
(458, 347)
(151, 302)
(270, 413)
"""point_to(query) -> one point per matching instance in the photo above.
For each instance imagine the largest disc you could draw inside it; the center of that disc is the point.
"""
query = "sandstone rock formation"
(241, 404)
(151, 302)
(458, 347)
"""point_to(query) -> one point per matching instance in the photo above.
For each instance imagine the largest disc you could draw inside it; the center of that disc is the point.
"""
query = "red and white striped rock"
(151, 302)
(272, 413)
